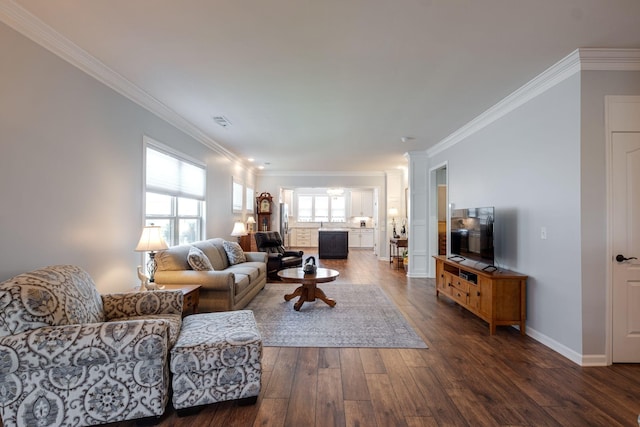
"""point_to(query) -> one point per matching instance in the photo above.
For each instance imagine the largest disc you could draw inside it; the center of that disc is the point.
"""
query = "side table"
(191, 296)
(394, 250)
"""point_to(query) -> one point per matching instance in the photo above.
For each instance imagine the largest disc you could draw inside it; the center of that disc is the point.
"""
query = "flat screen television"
(472, 235)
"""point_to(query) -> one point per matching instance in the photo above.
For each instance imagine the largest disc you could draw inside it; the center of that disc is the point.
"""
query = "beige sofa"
(226, 287)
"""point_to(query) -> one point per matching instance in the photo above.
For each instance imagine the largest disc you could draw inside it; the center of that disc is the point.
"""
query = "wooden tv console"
(497, 297)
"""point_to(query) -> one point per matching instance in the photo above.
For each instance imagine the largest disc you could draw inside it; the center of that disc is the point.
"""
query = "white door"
(626, 246)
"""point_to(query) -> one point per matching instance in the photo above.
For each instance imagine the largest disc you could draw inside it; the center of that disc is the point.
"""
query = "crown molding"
(583, 59)
(35, 29)
(596, 59)
(319, 173)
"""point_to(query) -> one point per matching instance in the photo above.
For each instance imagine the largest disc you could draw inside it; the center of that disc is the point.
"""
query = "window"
(250, 203)
(321, 208)
(174, 198)
(338, 209)
(238, 189)
(305, 208)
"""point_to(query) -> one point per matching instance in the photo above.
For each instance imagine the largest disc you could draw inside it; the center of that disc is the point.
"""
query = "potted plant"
(405, 260)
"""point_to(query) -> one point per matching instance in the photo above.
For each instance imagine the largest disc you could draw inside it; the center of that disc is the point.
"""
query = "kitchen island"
(333, 243)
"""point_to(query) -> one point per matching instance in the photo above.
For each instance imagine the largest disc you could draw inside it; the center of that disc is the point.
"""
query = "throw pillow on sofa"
(198, 260)
(235, 254)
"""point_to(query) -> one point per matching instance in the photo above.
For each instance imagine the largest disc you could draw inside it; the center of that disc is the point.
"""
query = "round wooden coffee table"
(308, 291)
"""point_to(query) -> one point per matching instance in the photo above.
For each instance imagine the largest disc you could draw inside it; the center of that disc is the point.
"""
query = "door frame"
(611, 126)
(433, 211)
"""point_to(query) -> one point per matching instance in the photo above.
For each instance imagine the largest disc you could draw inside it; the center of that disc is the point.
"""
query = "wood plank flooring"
(464, 378)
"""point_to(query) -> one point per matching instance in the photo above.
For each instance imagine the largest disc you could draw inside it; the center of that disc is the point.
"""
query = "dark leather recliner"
(278, 257)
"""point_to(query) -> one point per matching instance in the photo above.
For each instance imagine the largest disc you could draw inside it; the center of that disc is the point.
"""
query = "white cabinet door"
(366, 200)
(362, 203)
(356, 203)
(354, 238)
(366, 239)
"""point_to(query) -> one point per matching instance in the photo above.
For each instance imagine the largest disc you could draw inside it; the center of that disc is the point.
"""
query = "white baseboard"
(575, 357)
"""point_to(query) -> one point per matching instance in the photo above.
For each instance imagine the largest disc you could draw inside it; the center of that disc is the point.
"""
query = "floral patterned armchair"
(71, 357)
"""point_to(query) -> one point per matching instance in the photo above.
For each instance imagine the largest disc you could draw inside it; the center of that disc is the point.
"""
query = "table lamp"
(239, 230)
(393, 212)
(151, 241)
(250, 222)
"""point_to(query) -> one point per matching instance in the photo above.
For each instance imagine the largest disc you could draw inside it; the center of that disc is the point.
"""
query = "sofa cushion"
(235, 254)
(174, 258)
(242, 284)
(52, 296)
(198, 260)
(250, 269)
(214, 250)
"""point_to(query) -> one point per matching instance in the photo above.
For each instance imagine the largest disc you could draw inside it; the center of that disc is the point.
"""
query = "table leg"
(321, 295)
(303, 297)
(294, 294)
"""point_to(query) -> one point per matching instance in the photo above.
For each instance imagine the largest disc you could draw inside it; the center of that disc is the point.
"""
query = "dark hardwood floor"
(464, 378)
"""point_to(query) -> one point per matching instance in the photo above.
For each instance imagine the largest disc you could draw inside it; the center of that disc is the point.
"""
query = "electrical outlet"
(543, 233)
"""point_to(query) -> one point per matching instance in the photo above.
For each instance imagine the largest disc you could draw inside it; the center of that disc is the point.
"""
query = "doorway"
(439, 211)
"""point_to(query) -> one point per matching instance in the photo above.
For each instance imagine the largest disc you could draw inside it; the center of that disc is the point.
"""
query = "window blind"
(167, 174)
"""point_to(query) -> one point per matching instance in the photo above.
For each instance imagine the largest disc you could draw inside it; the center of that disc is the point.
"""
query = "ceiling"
(333, 85)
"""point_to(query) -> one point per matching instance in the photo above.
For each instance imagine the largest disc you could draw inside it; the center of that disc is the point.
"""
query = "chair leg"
(247, 401)
(185, 412)
(149, 421)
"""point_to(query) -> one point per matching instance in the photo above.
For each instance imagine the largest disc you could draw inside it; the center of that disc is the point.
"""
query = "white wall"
(527, 165)
(71, 176)
(543, 165)
(595, 86)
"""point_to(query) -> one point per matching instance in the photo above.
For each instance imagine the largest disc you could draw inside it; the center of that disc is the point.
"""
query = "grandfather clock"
(264, 202)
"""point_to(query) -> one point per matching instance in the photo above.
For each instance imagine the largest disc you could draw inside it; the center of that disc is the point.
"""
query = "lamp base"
(152, 266)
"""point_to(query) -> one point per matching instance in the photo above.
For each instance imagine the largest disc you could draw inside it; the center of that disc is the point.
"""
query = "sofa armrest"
(256, 256)
(131, 304)
(84, 345)
(212, 280)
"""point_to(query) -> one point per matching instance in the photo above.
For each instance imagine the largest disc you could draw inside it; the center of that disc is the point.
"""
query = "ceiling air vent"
(222, 121)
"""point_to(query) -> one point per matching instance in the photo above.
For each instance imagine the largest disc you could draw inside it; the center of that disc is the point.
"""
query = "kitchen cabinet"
(366, 238)
(361, 238)
(303, 237)
(361, 203)
(333, 244)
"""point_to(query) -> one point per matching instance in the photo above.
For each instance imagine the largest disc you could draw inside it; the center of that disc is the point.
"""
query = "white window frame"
(314, 216)
(250, 202)
(237, 196)
(172, 236)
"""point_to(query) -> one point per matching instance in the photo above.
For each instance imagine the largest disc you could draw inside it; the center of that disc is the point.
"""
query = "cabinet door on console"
(440, 282)
(480, 297)
(448, 283)
(485, 299)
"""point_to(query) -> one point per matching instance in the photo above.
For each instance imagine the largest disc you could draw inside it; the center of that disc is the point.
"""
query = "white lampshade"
(238, 229)
(393, 211)
(151, 240)
(251, 220)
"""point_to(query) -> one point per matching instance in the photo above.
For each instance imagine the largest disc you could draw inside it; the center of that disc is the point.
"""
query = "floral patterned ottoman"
(217, 357)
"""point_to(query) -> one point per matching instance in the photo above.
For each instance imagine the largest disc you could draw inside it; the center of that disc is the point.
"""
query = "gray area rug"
(362, 317)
